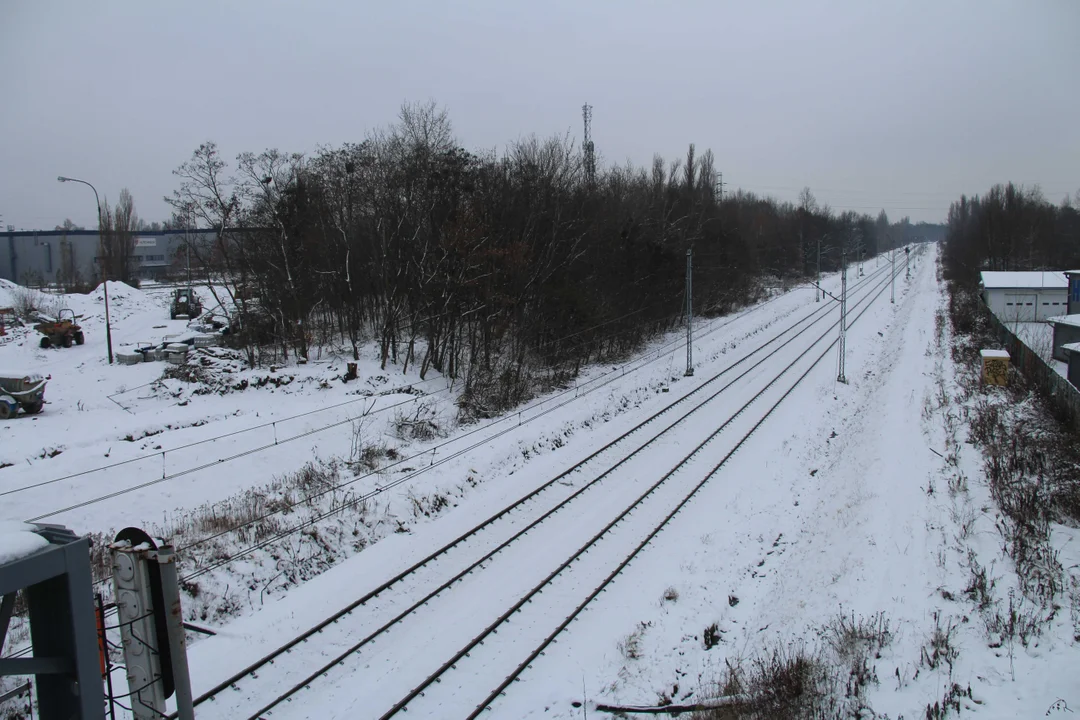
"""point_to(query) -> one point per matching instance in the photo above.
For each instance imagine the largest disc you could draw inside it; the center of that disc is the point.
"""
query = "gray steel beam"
(36, 666)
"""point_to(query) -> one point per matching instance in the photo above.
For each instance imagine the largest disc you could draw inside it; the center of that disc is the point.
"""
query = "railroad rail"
(792, 332)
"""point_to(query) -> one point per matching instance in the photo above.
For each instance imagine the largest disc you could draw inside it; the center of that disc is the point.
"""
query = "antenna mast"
(588, 147)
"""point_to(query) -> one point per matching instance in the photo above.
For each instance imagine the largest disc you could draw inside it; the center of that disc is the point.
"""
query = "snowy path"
(518, 568)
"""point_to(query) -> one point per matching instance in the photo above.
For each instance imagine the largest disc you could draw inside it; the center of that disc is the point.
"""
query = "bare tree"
(507, 270)
(116, 239)
(68, 226)
(207, 198)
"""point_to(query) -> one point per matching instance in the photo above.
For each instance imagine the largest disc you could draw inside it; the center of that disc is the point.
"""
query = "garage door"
(1020, 308)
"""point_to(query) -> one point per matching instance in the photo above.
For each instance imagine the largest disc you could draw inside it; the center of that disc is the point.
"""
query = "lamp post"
(108, 327)
(189, 213)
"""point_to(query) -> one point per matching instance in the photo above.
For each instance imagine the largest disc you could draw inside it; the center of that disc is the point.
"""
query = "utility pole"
(689, 315)
(187, 242)
(842, 345)
(892, 276)
(907, 262)
(818, 292)
(720, 205)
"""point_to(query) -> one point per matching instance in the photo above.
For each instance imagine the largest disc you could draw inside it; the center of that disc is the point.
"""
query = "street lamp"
(108, 327)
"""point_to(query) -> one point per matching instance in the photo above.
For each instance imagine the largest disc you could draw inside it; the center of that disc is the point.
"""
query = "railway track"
(533, 411)
(355, 631)
(556, 595)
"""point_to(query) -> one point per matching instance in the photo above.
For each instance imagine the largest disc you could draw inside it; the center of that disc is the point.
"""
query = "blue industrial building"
(34, 257)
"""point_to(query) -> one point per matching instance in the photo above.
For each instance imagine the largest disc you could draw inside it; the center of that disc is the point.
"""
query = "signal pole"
(689, 315)
(892, 276)
(842, 345)
(907, 262)
(817, 291)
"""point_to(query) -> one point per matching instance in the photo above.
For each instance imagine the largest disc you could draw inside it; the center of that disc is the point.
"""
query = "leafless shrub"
(962, 514)
(794, 681)
(1025, 528)
(985, 423)
(939, 648)
(493, 393)
(370, 457)
(429, 505)
(1017, 622)
(28, 302)
(958, 484)
(980, 587)
(421, 424)
(670, 595)
(784, 682)
(711, 636)
(850, 637)
(1074, 605)
(1031, 467)
(630, 646)
(949, 703)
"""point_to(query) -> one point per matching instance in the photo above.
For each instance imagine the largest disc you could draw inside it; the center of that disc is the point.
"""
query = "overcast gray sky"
(900, 105)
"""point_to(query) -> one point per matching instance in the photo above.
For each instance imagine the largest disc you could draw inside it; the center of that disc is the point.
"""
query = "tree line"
(507, 271)
(1010, 228)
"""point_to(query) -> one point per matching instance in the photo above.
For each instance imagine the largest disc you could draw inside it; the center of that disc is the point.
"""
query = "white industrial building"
(1025, 296)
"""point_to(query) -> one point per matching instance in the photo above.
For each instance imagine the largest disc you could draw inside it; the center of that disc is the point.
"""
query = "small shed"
(995, 367)
(1073, 351)
(1027, 296)
(1066, 332)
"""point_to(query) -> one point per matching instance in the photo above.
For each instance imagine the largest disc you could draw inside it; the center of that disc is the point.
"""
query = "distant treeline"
(507, 270)
(1010, 228)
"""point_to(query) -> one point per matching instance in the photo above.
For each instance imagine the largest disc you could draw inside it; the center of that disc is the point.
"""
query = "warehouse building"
(1025, 296)
(40, 257)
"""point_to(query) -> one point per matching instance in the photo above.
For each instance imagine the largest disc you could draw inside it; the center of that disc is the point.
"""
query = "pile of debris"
(172, 349)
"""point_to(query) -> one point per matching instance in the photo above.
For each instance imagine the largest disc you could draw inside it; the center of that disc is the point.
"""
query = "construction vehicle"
(62, 331)
(185, 302)
(25, 390)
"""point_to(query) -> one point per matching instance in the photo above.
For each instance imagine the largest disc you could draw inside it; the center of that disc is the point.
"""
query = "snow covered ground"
(838, 504)
(1039, 336)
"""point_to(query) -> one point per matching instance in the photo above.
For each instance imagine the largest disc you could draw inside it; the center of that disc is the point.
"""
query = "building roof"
(994, 354)
(1071, 347)
(1047, 279)
(1071, 320)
